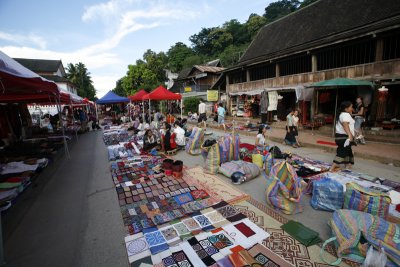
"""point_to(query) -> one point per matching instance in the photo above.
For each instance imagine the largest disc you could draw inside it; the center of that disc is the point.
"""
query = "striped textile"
(350, 226)
(196, 139)
(366, 200)
(283, 188)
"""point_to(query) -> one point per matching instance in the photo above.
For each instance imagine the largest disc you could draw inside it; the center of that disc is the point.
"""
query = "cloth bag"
(354, 232)
(284, 188)
(213, 160)
(257, 159)
(366, 200)
(327, 194)
(193, 146)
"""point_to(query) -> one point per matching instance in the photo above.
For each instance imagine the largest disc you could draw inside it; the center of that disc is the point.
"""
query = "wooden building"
(357, 39)
(198, 79)
(52, 70)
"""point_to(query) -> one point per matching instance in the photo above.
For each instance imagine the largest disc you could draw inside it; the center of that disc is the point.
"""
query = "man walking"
(221, 116)
(202, 115)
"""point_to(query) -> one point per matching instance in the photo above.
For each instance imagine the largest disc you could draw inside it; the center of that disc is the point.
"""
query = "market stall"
(112, 103)
(330, 93)
(161, 93)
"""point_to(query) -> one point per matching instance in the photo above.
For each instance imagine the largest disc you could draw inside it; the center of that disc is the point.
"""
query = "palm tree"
(79, 75)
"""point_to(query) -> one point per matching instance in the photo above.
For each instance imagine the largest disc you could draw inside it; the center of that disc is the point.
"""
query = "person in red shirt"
(168, 138)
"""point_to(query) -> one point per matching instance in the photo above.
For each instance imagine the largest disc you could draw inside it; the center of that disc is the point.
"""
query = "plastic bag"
(327, 195)
(375, 258)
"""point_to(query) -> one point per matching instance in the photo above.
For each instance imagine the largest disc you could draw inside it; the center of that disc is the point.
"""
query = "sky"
(107, 36)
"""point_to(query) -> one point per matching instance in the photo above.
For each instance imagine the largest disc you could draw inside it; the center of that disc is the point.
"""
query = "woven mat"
(280, 242)
(214, 186)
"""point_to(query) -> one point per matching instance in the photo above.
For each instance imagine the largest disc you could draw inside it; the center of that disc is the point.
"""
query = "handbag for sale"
(367, 200)
(284, 189)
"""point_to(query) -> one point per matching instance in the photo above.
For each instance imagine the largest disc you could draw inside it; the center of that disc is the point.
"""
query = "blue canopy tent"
(112, 98)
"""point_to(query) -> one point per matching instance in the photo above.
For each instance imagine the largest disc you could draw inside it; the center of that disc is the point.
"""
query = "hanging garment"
(273, 100)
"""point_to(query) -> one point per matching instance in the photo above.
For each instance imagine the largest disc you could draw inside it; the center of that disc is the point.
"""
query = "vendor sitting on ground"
(261, 143)
(142, 127)
(184, 125)
(150, 141)
(168, 139)
(180, 135)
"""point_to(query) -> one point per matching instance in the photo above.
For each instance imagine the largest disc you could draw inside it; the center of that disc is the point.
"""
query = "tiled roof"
(323, 22)
(39, 65)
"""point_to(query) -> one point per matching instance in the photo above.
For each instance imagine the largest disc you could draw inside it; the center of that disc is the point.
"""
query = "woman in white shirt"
(180, 135)
(261, 143)
(295, 122)
(344, 137)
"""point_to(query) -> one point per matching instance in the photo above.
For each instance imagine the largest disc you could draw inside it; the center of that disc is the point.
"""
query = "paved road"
(74, 220)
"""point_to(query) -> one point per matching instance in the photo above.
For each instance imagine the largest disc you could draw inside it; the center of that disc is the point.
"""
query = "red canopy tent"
(18, 81)
(19, 84)
(138, 96)
(161, 93)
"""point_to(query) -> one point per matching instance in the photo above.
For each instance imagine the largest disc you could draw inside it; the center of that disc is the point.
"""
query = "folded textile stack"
(113, 137)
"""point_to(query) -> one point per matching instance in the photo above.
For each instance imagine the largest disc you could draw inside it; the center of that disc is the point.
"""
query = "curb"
(330, 149)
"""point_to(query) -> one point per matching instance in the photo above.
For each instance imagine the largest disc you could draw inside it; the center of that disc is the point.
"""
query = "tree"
(280, 9)
(306, 3)
(191, 104)
(79, 75)
(119, 89)
(254, 24)
(192, 60)
(201, 42)
(177, 54)
(231, 55)
(220, 39)
(147, 73)
(238, 31)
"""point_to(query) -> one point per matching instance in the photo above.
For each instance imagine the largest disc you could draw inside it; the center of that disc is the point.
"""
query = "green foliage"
(191, 104)
(227, 42)
(192, 60)
(231, 55)
(306, 3)
(119, 90)
(201, 42)
(78, 74)
(280, 9)
(145, 74)
(254, 24)
(177, 54)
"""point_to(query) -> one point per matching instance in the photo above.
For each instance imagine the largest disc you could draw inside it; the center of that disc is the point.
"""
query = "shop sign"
(212, 95)
(188, 89)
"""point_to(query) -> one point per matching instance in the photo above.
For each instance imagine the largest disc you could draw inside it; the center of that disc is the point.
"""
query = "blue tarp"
(111, 98)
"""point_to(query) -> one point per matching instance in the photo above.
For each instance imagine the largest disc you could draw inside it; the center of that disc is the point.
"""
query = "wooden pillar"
(379, 50)
(247, 75)
(277, 70)
(303, 105)
(314, 66)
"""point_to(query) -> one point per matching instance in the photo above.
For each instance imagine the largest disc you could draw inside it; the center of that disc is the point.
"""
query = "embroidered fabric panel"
(199, 194)
(183, 198)
(136, 246)
(220, 241)
(182, 259)
(201, 252)
(191, 224)
(245, 229)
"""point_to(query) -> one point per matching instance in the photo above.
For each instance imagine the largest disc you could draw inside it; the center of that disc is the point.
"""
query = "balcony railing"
(371, 71)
